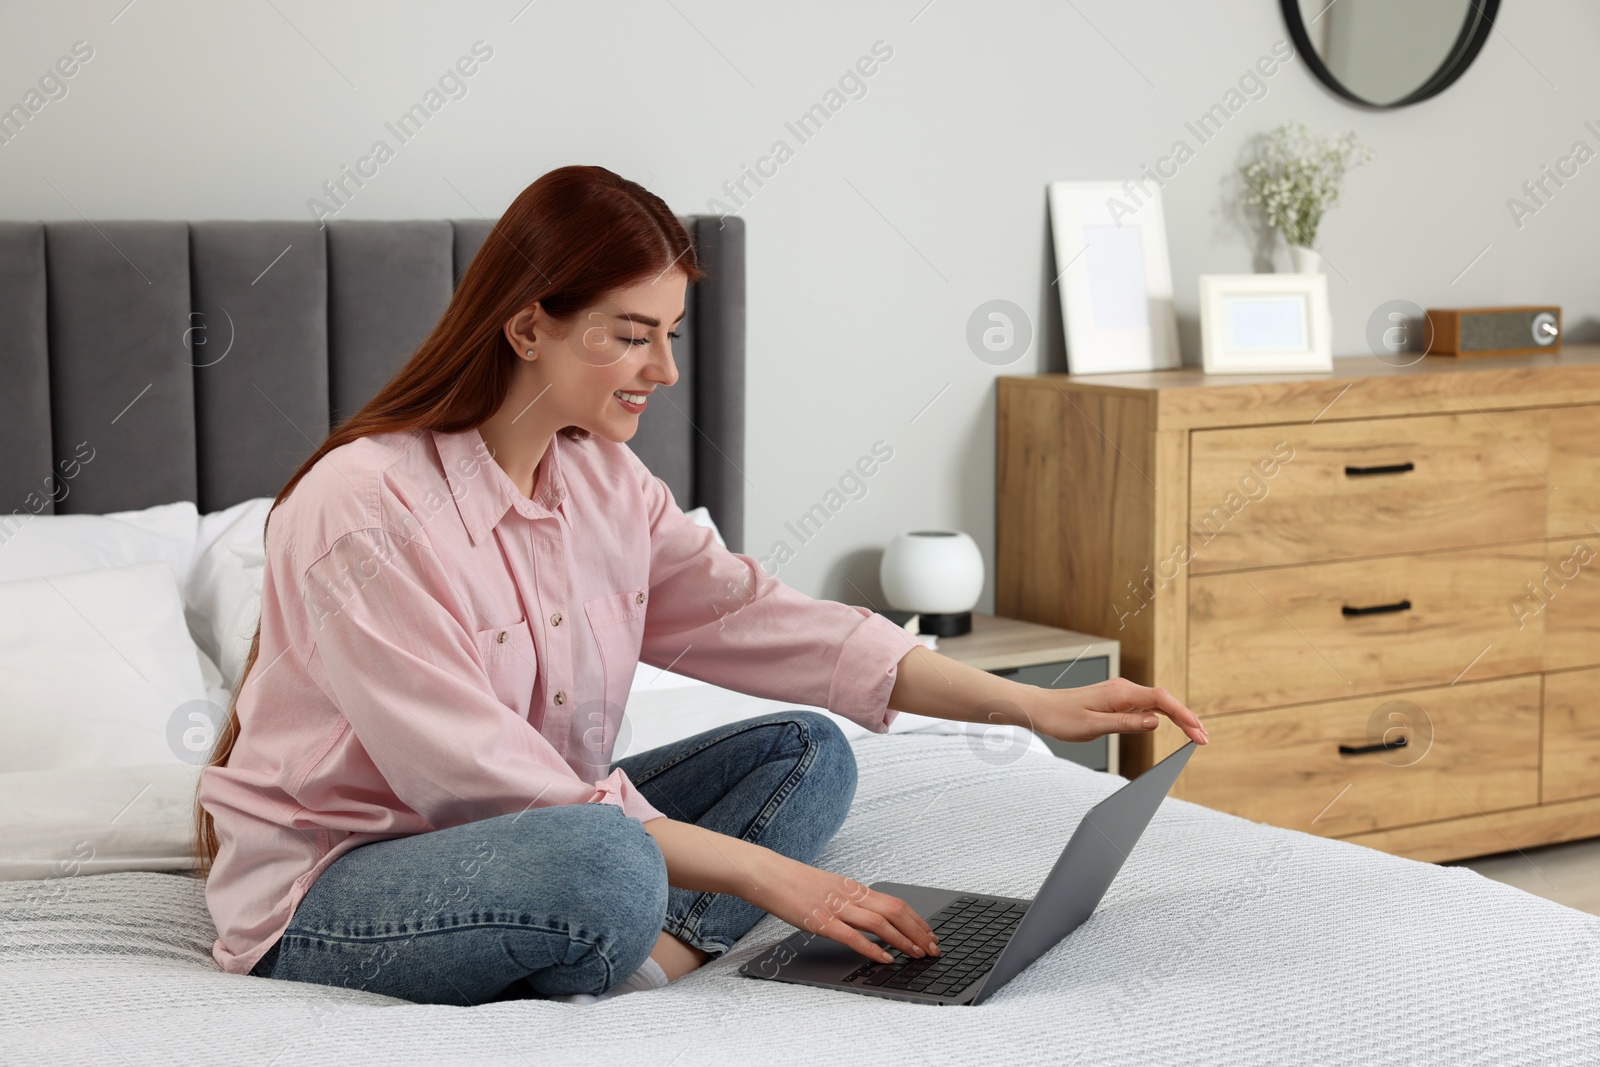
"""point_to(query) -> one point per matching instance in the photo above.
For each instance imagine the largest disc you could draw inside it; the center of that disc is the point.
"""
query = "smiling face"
(597, 369)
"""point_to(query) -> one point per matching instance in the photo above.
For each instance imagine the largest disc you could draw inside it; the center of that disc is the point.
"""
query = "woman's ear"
(523, 333)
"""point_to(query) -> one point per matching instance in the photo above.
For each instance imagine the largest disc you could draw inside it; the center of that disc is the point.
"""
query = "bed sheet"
(1221, 942)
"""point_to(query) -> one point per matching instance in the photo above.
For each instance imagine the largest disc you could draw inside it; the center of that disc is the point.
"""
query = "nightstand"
(1047, 657)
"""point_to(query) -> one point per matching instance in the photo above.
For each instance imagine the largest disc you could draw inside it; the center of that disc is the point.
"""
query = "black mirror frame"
(1475, 30)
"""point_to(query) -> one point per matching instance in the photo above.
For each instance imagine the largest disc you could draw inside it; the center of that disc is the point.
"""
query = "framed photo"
(1115, 277)
(1265, 323)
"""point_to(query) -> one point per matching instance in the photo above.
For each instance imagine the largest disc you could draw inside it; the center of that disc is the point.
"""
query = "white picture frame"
(1265, 324)
(1115, 277)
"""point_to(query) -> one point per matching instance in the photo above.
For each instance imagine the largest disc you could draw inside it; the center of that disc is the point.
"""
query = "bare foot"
(675, 957)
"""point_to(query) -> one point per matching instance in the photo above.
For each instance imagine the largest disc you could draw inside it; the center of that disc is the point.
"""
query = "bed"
(1222, 941)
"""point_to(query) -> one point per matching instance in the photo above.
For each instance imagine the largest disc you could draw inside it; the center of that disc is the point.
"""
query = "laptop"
(984, 940)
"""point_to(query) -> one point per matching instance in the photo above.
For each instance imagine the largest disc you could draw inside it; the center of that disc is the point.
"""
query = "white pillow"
(94, 667)
(97, 820)
(39, 545)
(702, 517)
(222, 597)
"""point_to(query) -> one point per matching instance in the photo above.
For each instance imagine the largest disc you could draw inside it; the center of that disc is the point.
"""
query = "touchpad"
(818, 957)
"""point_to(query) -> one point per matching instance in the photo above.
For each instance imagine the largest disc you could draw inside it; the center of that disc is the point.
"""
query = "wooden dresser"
(1380, 587)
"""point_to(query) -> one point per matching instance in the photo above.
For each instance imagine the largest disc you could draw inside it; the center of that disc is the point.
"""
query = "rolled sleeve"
(405, 674)
(616, 789)
(865, 673)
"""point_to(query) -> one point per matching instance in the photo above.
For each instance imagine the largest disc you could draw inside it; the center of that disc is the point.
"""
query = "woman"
(415, 794)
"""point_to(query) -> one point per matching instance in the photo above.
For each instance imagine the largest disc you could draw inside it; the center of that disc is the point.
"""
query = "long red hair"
(573, 235)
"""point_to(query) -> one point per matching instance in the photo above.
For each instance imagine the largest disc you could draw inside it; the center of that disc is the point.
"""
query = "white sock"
(648, 976)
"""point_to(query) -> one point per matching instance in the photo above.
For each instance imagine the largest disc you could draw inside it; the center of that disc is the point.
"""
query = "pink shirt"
(437, 648)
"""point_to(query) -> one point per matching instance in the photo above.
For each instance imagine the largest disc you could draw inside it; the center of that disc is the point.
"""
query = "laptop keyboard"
(971, 932)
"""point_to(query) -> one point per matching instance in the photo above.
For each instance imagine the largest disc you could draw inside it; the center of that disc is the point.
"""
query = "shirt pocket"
(508, 656)
(617, 623)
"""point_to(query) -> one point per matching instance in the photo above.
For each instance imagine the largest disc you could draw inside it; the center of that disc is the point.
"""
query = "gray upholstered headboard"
(205, 360)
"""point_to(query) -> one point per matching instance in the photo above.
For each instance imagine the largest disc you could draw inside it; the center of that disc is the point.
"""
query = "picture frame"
(1265, 324)
(1115, 276)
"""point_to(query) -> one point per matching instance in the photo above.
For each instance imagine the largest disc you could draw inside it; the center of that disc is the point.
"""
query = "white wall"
(871, 247)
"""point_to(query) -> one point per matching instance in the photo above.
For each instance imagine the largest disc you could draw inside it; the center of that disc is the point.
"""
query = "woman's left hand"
(927, 683)
(1117, 706)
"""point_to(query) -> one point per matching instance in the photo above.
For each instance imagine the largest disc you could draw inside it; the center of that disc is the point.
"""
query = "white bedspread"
(1222, 942)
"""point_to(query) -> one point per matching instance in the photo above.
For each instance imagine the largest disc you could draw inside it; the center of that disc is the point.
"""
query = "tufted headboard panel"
(147, 362)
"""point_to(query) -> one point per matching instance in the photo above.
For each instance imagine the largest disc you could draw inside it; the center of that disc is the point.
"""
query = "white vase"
(1305, 260)
(936, 573)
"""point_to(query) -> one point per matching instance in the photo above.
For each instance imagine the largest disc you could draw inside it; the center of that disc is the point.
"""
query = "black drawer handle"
(1361, 750)
(1387, 468)
(1377, 609)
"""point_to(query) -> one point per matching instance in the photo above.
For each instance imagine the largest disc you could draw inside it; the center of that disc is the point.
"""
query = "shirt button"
(561, 697)
(639, 599)
(555, 620)
(500, 638)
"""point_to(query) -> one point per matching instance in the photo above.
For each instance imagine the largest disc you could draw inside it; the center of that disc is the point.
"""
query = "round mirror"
(1386, 53)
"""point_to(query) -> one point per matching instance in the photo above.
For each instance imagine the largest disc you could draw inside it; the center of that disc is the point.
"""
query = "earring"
(530, 353)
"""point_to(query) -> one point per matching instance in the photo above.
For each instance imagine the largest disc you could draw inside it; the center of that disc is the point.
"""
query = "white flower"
(1296, 177)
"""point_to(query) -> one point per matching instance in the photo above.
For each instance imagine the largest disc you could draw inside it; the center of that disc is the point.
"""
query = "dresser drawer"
(1571, 736)
(1298, 634)
(1471, 748)
(1567, 595)
(1271, 495)
(1574, 471)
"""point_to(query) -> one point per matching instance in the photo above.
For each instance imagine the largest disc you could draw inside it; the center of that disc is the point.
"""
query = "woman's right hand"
(839, 907)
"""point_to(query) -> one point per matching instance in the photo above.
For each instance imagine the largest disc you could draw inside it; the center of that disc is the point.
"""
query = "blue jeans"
(570, 898)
